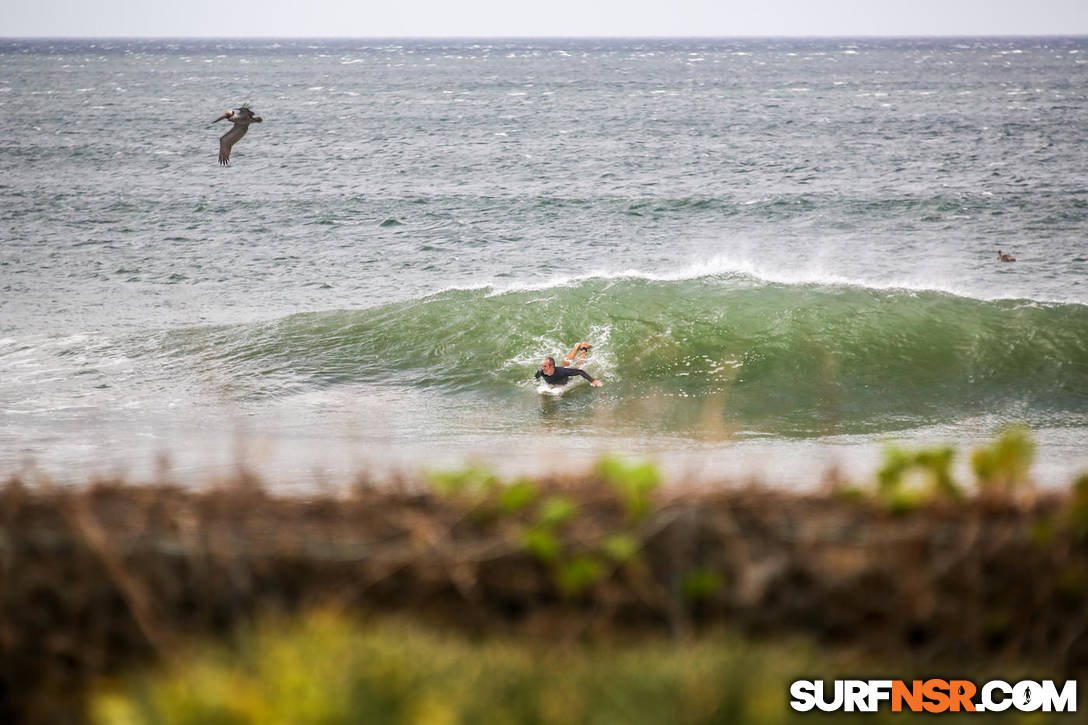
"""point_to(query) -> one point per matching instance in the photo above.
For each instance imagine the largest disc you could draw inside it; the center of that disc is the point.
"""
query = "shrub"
(934, 466)
(1004, 464)
(632, 482)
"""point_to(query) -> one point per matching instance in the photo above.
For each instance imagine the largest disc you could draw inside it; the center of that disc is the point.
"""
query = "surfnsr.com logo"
(933, 695)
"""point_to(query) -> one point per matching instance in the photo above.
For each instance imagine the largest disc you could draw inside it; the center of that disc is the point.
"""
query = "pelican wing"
(227, 140)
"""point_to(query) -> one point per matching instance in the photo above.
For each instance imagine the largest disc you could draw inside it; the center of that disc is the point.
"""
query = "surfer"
(561, 375)
(1005, 257)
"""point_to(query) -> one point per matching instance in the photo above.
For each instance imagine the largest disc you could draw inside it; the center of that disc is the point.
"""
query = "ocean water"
(783, 250)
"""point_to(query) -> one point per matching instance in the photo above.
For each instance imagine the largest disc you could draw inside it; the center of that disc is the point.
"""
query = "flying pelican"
(241, 119)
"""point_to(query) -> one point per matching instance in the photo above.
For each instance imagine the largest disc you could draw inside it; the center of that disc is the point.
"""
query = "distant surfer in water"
(1005, 257)
(561, 375)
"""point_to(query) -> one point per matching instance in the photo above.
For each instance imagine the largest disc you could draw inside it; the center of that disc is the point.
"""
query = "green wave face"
(774, 358)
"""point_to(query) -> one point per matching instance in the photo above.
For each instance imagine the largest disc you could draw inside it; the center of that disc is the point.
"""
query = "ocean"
(784, 252)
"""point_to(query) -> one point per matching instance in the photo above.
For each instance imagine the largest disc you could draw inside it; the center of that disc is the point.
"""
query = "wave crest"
(776, 352)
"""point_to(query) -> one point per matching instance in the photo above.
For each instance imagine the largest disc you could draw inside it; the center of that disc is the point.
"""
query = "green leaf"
(555, 511)
(633, 483)
(620, 547)
(542, 544)
(576, 575)
(1006, 462)
(701, 584)
(473, 480)
(517, 496)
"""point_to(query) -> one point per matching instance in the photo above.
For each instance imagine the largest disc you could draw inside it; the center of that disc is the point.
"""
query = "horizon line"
(752, 36)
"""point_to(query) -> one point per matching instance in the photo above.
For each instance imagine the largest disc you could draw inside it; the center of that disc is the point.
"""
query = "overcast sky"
(490, 18)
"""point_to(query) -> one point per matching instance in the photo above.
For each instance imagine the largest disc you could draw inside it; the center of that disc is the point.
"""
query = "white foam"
(599, 359)
(556, 390)
(725, 265)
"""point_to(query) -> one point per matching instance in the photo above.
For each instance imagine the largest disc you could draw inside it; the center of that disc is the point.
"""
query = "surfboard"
(545, 389)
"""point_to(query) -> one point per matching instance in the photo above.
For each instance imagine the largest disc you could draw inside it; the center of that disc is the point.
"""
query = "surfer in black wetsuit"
(561, 375)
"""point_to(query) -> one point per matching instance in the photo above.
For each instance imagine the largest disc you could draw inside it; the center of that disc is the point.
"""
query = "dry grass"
(98, 578)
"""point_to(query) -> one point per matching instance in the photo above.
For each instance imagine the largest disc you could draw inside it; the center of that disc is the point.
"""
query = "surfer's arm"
(592, 380)
(539, 372)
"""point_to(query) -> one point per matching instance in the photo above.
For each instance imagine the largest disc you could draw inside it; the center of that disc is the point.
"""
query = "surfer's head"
(548, 366)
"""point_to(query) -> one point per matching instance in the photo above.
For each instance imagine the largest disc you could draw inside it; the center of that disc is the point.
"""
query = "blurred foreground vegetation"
(910, 478)
(600, 597)
(330, 669)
